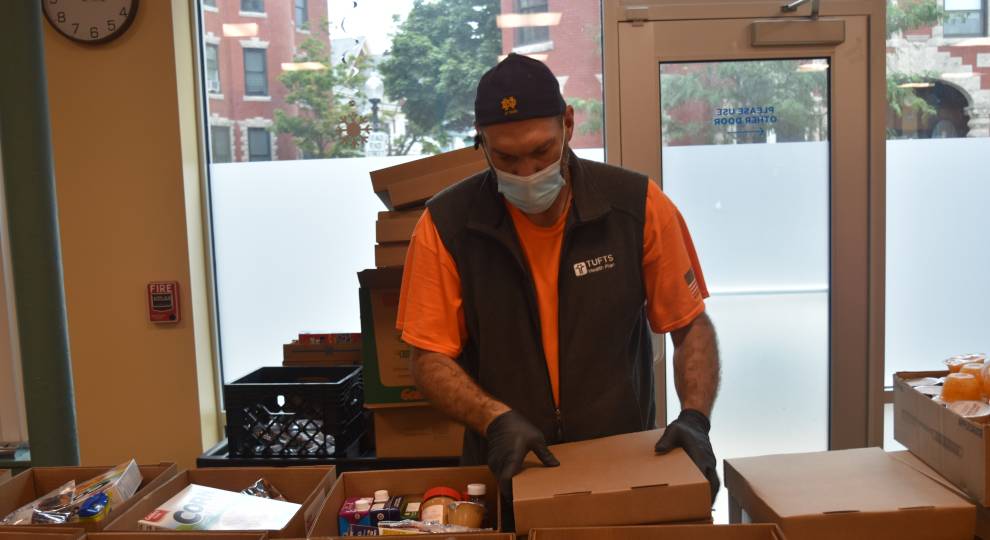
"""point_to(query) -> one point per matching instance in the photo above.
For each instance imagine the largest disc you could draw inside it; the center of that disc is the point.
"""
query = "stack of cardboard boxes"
(405, 425)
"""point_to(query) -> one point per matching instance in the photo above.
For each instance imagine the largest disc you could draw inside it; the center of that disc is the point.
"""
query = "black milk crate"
(295, 412)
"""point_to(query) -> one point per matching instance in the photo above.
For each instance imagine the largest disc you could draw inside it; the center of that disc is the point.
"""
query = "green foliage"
(592, 109)
(326, 100)
(437, 57)
(908, 14)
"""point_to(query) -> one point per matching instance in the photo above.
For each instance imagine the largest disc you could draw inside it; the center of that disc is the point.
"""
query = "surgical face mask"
(535, 193)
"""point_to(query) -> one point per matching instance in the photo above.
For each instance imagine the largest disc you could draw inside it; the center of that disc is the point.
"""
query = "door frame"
(857, 212)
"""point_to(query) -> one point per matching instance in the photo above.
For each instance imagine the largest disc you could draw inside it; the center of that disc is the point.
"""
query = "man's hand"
(510, 438)
(690, 432)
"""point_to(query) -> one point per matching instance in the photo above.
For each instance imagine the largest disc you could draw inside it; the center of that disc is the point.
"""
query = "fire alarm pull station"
(163, 301)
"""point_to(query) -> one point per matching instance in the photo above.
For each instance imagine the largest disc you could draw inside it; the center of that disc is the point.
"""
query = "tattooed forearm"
(697, 371)
(454, 392)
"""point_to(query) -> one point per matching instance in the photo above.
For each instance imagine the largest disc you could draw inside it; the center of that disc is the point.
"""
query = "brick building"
(570, 45)
(245, 44)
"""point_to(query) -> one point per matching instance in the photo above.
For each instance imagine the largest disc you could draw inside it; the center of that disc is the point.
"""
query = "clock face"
(90, 21)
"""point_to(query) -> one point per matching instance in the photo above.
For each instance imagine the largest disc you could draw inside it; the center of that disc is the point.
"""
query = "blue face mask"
(535, 193)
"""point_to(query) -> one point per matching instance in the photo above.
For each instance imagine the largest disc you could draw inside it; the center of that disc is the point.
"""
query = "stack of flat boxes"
(405, 425)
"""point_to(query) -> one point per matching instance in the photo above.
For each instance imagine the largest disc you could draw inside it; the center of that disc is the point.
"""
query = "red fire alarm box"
(163, 301)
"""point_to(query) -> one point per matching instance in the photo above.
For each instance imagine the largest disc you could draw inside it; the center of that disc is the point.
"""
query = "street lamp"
(375, 90)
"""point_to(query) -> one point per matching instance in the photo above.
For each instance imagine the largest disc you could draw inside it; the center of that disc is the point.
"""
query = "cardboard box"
(396, 226)
(4, 475)
(391, 254)
(158, 535)
(387, 372)
(309, 355)
(762, 531)
(412, 183)
(403, 482)
(307, 486)
(864, 493)
(415, 430)
(471, 536)
(610, 481)
(42, 533)
(956, 448)
(39, 481)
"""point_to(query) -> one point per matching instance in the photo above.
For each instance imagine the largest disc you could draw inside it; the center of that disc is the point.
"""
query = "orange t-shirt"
(431, 312)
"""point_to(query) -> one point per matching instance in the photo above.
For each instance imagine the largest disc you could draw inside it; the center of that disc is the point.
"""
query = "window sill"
(254, 14)
(533, 48)
(213, 9)
(303, 31)
(211, 95)
(257, 98)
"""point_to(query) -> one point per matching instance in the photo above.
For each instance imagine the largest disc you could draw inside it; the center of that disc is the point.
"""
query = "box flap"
(863, 480)
(763, 531)
(381, 278)
(620, 463)
(381, 179)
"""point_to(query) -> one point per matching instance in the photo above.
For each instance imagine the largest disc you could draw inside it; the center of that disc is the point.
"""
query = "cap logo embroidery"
(509, 105)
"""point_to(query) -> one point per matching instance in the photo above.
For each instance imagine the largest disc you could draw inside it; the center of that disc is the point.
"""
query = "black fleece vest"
(606, 358)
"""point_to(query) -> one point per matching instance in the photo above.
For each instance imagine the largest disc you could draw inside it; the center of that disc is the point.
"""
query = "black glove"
(690, 432)
(510, 437)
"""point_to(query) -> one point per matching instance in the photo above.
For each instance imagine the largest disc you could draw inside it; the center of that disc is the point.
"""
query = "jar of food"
(435, 504)
(961, 387)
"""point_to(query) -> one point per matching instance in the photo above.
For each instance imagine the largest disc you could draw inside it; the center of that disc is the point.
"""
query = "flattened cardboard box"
(616, 480)
(391, 254)
(864, 493)
(763, 531)
(955, 447)
(415, 430)
(404, 482)
(396, 226)
(42, 533)
(307, 486)
(39, 481)
(412, 183)
(387, 372)
(318, 354)
(165, 535)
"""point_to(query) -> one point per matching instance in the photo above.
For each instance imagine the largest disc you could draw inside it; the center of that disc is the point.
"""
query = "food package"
(202, 508)
(264, 489)
(54, 508)
(119, 484)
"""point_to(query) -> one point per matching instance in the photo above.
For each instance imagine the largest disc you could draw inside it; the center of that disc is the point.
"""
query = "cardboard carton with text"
(404, 430)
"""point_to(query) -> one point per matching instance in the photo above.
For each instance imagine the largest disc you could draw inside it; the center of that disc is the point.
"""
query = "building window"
(253, 6)
(965, 18)
(212, 68)
(220, 144)
(302, 14)
(255, 72)
(259, 145)
(210, 3)
(528, 35)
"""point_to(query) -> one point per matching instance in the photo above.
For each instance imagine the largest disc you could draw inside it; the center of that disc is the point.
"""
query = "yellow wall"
(121, 178)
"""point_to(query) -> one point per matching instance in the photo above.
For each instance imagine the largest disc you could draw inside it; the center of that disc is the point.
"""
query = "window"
(253, 6)
(529, 35)
(255, 72)
(210, 3)
(259, 145)
(212, 68)
(965, 18)
(220, 144)
(302, 14)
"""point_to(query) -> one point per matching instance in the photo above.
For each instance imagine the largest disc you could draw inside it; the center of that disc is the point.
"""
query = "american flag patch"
(692, 283)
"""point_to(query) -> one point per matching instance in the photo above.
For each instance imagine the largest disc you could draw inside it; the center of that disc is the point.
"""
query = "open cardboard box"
(762, 531)
(4, 475)
(396, 226)
(39, 481)
(861, 493)
(410, 184)
(41, 533)
(404, 482)
(307, 486)
(957, 448)
(470, 536)
(616, 480)
(387, 372)
(177, 536)
(406, 430)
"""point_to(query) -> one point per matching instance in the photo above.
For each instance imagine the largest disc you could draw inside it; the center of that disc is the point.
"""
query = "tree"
(438, 54)
(327, 124)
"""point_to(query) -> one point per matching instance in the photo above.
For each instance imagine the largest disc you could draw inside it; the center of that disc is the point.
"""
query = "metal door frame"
(857, 211)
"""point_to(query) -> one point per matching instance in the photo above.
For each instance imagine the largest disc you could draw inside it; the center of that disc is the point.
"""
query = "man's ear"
(569, 123)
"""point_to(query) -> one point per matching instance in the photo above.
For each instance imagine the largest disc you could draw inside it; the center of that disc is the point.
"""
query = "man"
(529, 291)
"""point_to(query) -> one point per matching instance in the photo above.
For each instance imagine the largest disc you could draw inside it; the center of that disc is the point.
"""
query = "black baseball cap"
(518, 88)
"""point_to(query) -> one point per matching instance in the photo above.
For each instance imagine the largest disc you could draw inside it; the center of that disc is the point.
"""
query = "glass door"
(759, 128)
